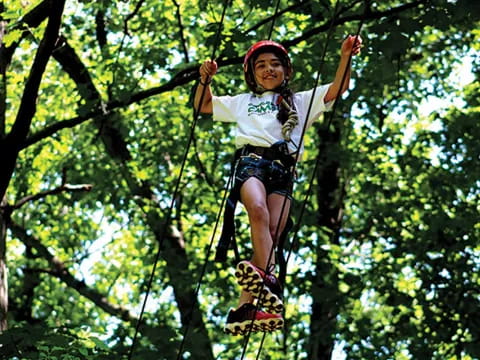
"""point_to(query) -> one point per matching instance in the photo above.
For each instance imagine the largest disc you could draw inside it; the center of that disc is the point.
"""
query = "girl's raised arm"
(207, 71)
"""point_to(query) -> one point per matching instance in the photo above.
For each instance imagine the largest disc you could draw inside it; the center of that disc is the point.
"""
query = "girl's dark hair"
(284, 90)
(287, 94)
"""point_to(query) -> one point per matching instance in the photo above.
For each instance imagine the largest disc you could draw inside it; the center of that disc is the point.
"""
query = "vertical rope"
(204, 268)
(272, 24)
(247, 337)
(329, 35)
(317, 162)
(327, 126)
(175, 194)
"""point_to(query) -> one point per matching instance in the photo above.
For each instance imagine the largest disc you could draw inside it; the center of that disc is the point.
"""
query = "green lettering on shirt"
(264, 107)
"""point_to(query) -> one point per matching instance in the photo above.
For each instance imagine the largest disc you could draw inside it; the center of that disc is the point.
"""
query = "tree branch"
(10, 145)
(28, 102)
(191, 74)
(100, 31)
(107, 123)
(52, 129)
(368, 16)
(33, 19)
(58, 190)
(269, 19)
(131, 15)
(60, 270)
(182, 78)
(181, 30)
(78, 72)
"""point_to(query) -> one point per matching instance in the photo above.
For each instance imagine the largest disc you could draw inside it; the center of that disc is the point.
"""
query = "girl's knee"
(258, 212)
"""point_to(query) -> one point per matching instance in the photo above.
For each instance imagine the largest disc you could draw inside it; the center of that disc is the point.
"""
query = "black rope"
(317, 162)
(330, 32)
(175, 193)
(272, 24)
(327, 126)
(261, 346)
(204, 268)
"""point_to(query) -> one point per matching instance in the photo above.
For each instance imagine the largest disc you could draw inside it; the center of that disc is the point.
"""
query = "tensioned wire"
(224, 197)
(327, 126)
(317, 162)
(267, 270)
(230, 181)
(175, 193)
(272, 24)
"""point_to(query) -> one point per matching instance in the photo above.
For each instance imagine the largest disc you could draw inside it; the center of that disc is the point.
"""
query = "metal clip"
(255, 156)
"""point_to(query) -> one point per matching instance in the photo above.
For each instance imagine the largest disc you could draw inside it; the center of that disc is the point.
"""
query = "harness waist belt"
(269, 154)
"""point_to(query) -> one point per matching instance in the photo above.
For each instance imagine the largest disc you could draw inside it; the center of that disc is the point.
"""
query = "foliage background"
(385, 259)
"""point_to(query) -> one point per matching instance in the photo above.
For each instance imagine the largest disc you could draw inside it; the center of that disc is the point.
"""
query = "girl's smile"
(269, 71)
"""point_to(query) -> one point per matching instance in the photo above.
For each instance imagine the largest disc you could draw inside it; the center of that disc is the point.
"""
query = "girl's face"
(269, 71)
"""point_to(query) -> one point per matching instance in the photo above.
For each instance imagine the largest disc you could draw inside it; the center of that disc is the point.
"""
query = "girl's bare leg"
(264, 215)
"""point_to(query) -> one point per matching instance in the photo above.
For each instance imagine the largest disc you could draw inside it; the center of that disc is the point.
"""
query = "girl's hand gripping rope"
(203, 93)
(207, 70)
(352, 44)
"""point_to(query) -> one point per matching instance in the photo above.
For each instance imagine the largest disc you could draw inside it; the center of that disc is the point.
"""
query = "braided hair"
(285, 94)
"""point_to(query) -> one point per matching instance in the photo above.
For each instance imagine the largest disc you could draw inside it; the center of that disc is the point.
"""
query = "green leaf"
(12, 36)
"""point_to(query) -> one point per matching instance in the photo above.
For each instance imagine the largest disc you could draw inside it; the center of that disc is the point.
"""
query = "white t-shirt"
(256, 116)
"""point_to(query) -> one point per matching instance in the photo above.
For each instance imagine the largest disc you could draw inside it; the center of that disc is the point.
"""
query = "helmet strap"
(260, 89)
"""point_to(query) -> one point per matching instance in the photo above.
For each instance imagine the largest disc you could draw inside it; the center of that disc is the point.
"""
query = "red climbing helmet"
(262, 47)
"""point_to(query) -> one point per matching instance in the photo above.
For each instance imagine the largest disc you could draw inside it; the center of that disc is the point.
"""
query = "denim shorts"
(275, 177)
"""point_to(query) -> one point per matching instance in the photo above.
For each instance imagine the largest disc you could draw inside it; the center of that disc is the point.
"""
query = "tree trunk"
(3, 268)
(3, 228)
(172, 250)
(325, 288)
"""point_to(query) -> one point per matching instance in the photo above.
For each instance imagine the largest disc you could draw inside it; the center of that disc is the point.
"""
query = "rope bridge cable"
(272, 25)
(327, 126)
(247, 337)
(175, 193)
(217, 221)
(330, 32)
(309, 190)
(204, 268)
(229, 182)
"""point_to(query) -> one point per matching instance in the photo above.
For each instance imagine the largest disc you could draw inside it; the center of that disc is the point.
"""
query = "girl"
(269, 123)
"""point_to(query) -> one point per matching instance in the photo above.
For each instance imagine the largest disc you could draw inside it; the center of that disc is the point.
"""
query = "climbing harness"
(277, 153)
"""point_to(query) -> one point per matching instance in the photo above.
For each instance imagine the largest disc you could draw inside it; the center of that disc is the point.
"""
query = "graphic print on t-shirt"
(263, 108)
